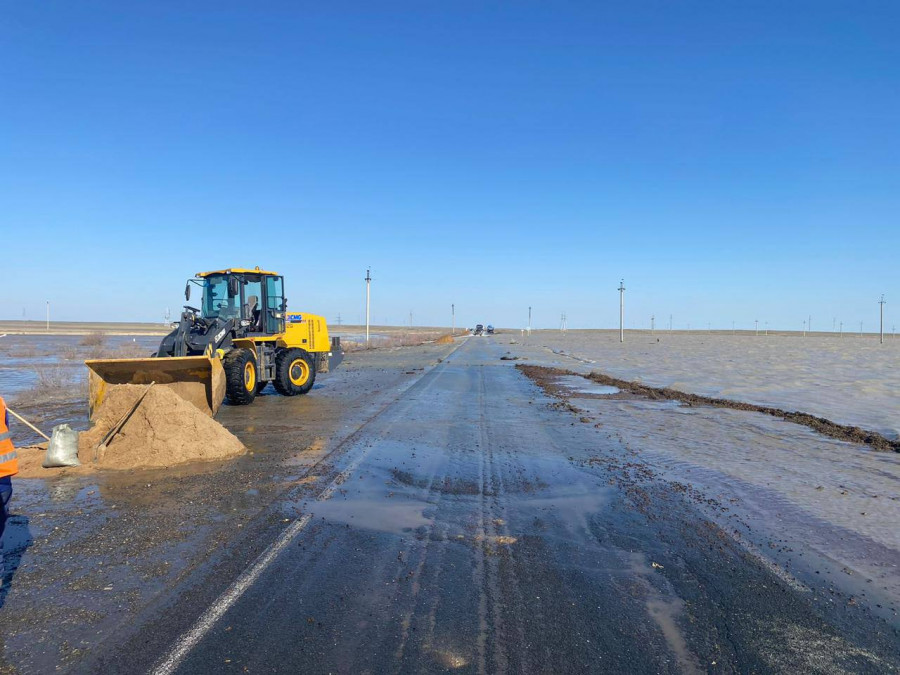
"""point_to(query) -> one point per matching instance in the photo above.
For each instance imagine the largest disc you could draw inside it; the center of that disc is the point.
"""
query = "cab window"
(216, 301)
(252, 310)
(274, 304)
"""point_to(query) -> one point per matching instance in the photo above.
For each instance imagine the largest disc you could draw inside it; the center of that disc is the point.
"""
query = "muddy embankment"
(545, 377)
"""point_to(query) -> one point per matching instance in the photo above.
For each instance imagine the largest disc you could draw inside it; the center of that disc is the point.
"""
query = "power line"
(368, 299)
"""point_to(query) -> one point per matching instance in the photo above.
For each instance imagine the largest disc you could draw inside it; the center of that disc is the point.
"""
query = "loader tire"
(241, 374)
(295, 372)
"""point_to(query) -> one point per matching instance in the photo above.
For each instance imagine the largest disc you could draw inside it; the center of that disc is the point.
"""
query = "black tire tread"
(282, 380)
(233, 363)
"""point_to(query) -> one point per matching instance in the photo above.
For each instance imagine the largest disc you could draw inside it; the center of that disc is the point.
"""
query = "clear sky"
(730, 161)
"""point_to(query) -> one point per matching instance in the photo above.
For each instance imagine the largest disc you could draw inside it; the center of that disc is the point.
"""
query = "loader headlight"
(279, 315)
(245, 323)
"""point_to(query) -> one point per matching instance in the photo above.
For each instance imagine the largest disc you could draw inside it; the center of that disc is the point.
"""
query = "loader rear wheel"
(295, 372)
(241, 376)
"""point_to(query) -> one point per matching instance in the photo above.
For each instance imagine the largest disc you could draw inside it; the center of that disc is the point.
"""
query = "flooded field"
(850, 380)
(44, 376)
(28, 360)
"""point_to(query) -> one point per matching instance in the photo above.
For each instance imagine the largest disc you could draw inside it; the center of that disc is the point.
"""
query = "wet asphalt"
(475, 525)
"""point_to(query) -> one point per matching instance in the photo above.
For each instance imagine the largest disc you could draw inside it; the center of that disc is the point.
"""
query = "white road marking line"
(224, 602)
(248, 577)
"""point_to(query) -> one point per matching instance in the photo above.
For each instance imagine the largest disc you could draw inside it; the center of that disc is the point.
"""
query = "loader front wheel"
(295, 372)
(241, 376)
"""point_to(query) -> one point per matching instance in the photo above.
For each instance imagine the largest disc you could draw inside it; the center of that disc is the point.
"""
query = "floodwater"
(23, 358)
(578, 385)
(43, 377)
(848, 380)
(839, 499)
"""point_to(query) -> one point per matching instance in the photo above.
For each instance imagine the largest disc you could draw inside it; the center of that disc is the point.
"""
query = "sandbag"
(63, 448)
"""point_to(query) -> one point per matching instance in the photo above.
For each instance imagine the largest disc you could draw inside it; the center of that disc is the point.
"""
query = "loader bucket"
(197, 379)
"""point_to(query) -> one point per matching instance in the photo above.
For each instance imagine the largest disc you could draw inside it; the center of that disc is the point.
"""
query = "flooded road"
(474, 524)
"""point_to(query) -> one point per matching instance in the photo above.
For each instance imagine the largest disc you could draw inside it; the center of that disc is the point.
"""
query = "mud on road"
(84, 555)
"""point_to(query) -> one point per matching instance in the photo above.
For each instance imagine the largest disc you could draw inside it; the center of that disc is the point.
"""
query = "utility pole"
(622, 311)
(452, 320)
(804, 327)
(670, 322)
(881, 302)
(48, 316)
(809, 323)
(529, 320)
(368, 299)
(410, 318)
(860, 328)
(339, 318)
(767, 329)
(652, 326)
(756, 326)
(563, 324)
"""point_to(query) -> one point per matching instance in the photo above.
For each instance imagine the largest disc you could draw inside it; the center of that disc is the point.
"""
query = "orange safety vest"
(9, 461)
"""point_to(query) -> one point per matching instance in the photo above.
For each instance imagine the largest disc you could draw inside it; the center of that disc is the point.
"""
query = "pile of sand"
(163, 431)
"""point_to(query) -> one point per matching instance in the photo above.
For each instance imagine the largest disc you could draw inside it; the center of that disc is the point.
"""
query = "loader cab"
(253, 298)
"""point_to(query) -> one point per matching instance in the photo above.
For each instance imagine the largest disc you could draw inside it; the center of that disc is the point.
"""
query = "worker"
(9, 464)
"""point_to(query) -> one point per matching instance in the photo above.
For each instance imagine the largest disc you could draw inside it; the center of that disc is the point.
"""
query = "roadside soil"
(84, 554)
(547, 376)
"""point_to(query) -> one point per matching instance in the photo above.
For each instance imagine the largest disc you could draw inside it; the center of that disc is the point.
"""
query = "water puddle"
(665, 611)
(397, 515)
(391, 495)
(571, 503)
(581, 385)
(565, 493)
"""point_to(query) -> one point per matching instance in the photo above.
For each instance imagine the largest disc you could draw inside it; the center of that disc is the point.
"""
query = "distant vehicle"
(479, 330)
(490, 330)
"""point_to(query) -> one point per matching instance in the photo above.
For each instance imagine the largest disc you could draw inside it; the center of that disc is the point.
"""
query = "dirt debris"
(164, 430)
(544, 377)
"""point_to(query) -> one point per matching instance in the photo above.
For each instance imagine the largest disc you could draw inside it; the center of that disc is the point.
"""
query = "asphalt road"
(475, 526)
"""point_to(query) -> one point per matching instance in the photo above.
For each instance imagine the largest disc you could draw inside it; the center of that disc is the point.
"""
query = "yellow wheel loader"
(240, 338)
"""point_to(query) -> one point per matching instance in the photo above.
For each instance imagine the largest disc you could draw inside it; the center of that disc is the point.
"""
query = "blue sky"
(730, 161)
